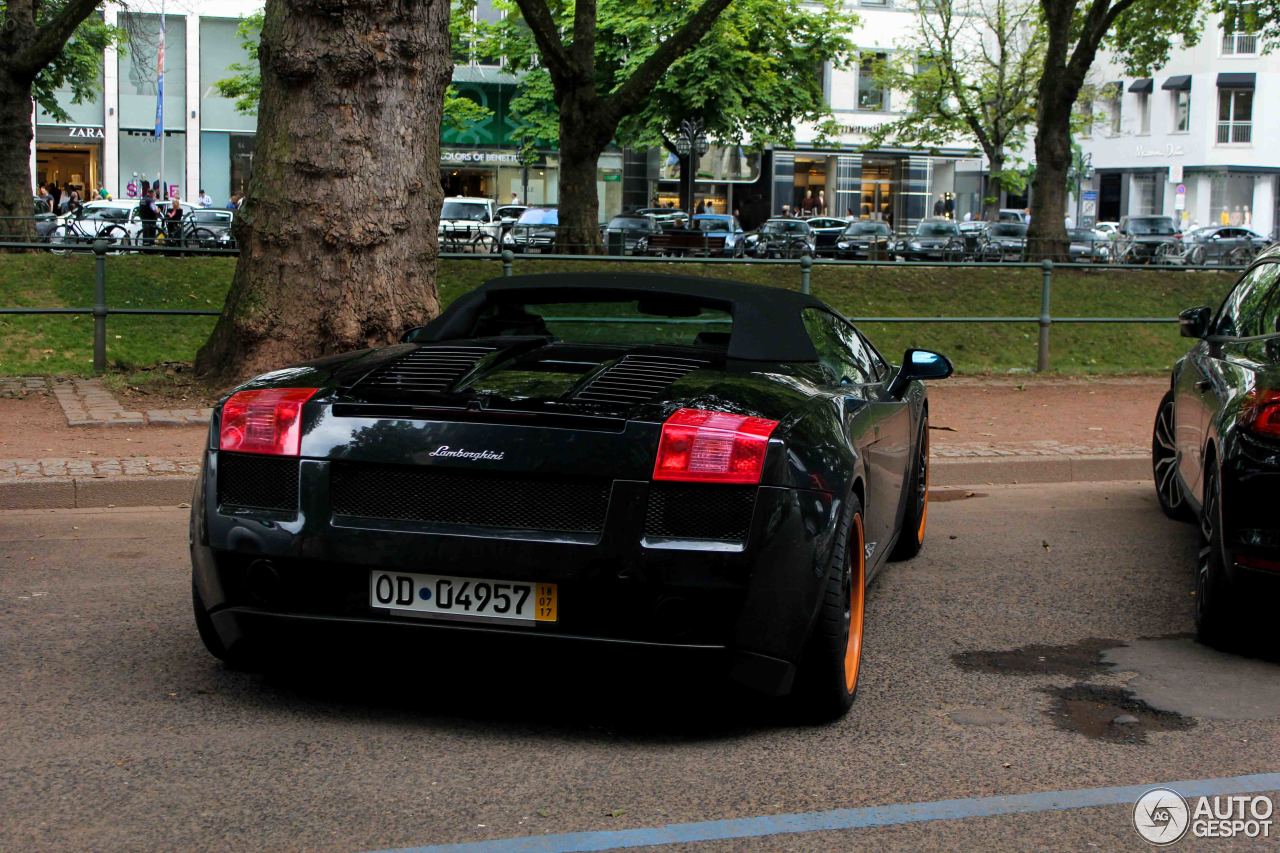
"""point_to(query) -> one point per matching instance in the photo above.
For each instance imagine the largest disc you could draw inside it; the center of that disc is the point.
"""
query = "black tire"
(202, 238)
(911, 539)
(1217, 609)
(484, 244)
(1240, 256)
(244, 655)
(1164, 462)
(827, 677)
(62, 239)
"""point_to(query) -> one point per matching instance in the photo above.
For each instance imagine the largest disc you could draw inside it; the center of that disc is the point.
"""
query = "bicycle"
(72, 233)
(469, 240)
(186, 233)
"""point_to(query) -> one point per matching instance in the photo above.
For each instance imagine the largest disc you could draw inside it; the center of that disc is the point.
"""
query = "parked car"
(628, 233)
(508, 214)
(826, 231)
(1012, 214)
(721, 225)
(1140, 238)
(1111, 229)
(117, 221)
(503, 475)
(216, 221)
(781, 238)
(469, 223)
(667, 217)
(932, 240)
(1089, 246)
(1004, 241)
(1215, 454)
(46, 221)
(1218, 244)
(534, 232)
(865, 239)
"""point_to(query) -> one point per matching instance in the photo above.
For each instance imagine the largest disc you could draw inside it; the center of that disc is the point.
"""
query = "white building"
(1192, 141)
(111, 141)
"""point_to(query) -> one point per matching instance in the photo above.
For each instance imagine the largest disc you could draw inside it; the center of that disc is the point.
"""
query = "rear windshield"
(1082, 235)
(629, 223)
(1154, 225)
(539, 216)
(623, 322)
(859, 228)
(711, 224)
(785, 226)
(465, 210)
(936, 229)
(1007, 229)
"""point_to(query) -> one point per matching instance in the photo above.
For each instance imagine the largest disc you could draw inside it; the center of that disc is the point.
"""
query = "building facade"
(1191, 141)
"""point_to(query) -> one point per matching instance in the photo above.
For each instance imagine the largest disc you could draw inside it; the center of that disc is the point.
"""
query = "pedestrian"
(205, 199)
(234, 204)
(1071, 223)
(1026, 215)
(45, 199)
(73, 202)
(103, 194)
(515, 198)
(55, 196)
(937, 206)
(968, 216)
(173, 218)
(147, 215)
(786, 211)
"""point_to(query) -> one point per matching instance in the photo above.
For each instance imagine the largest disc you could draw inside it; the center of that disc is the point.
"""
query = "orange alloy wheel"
(857, 600)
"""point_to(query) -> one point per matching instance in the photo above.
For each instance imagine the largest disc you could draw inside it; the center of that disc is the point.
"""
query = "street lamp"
(691, 143)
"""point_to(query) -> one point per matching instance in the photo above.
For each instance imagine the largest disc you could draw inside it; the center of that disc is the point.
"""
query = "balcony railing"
(1234, 131)
(1239, 44)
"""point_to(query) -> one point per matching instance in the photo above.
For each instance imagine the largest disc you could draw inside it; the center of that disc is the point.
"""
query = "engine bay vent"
(427, 369)
(637, 379)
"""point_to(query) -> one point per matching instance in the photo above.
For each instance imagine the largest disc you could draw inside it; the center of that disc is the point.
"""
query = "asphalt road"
(996, 663)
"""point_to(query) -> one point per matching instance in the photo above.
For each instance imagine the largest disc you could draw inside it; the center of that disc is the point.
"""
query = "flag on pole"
(160, 84)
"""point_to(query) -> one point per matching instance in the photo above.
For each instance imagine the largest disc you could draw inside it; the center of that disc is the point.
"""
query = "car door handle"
(1204, 385)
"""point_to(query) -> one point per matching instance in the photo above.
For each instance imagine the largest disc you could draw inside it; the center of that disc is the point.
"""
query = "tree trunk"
(338, 233)
(16, 222)
(995, 186)
(584, 134)
(1047, 236)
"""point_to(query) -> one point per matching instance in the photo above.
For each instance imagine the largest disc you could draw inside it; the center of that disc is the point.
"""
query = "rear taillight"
(712, 447)
(264, 421)
(1260, 413)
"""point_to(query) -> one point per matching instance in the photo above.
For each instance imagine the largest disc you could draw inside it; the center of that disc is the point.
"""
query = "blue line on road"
(862, 818)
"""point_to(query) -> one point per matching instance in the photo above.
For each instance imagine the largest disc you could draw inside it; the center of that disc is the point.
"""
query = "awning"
(1142, 86)
(1236, 80)
(1180, 83)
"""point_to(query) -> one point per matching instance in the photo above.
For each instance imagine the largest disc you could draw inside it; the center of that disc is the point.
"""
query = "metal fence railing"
(801, 268)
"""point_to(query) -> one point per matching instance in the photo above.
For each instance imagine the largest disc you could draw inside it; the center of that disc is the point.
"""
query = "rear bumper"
(1251, 480)
(751, 601)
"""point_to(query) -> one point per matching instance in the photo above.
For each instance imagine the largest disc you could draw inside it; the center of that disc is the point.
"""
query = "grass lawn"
(63, 344)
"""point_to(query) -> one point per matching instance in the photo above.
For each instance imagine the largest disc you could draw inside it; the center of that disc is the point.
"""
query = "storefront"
(69, 155)
(226, 133)
(140, 151)
(892, 188)
(725, 174)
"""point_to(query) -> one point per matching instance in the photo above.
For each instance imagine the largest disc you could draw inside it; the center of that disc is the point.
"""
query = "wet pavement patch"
(944, 495)
(1078, 660)
(1110, 714)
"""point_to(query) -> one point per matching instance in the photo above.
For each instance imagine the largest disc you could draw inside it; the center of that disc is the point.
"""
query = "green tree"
(44, 47)
(1139, 34)
(969, 71)
(1259, 17)
(245, 83)
(604, 71)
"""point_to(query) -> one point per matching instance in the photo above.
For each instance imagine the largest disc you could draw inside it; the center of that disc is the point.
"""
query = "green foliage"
(1247, 16)
(754, 76)
(970, 70)
(1144, 34)
(78, 66)
(245, 83)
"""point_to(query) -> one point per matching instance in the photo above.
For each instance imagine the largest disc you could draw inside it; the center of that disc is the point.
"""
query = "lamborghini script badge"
(462, 453)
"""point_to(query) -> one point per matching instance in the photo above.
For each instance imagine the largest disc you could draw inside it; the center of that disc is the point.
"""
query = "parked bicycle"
(186, 233)
(83, 229)
(469, 240)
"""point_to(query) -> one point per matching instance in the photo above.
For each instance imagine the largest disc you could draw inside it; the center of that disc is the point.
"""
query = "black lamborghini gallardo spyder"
(635, 459)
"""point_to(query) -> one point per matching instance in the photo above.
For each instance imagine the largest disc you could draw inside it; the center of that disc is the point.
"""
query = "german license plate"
(472, 599)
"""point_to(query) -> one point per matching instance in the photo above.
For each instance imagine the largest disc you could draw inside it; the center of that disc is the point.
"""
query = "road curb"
(161, 490)
(80, 492)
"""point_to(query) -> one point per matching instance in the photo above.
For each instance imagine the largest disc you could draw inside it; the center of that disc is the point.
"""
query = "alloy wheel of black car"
(1217, 617)
(827, 678)
(911, 536)
(1164, 462)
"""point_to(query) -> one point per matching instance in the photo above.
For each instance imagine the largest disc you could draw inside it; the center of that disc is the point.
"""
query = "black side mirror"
(1194, 322)
(919, 364)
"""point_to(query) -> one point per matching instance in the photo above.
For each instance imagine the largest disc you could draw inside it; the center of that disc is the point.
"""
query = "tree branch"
(52, 37)
(559, 64)
(633, 92)
(583, 49)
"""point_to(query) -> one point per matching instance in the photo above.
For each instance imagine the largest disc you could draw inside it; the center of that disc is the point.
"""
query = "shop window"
(1144, 196)
(1230, 198)
(138, 79)
(1235, 116)
(872, 95)
(220, 49)
(1181, 111)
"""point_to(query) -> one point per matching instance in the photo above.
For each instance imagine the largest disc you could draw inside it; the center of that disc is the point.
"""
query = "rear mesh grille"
(426, 369)
(258, 482)
(637, 378)
(683, 511)
(448, 497)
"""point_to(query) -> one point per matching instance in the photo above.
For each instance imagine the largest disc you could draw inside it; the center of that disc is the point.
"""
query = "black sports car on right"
(1216, 453)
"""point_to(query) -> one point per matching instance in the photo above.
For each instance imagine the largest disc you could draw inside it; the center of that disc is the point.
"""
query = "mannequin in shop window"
(822, 203)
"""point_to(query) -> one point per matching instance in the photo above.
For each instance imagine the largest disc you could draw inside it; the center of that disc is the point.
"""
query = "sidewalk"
(74, 444)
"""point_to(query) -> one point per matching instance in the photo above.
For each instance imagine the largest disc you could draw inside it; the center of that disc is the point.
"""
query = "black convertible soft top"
(767, 321)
